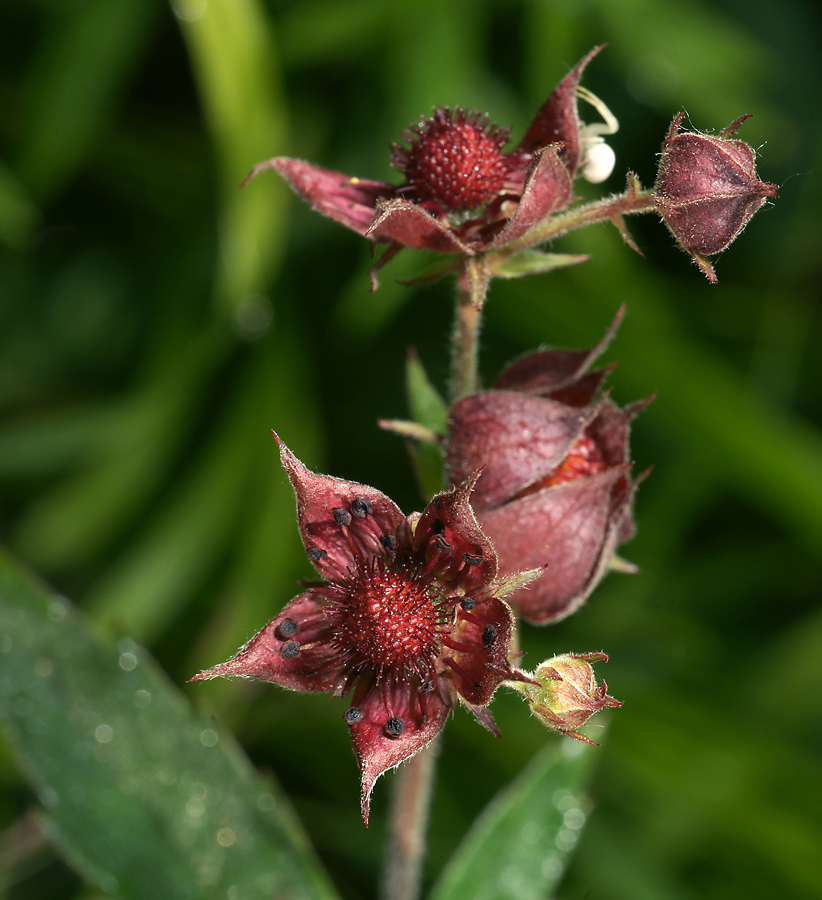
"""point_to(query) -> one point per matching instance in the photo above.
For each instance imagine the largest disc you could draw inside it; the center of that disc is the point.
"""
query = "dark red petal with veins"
(343, 198)
(276, 654)
(486, 631)
(377, 744)
(323, 502)
(572, 528)
(547, 189)
(558, 119)
(521, 438)
(405, 223)
(549, 371)
(448, 532)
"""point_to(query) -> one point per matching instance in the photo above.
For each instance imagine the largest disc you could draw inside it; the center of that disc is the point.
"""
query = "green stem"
(409, 817)
(632, 202)
(472, 287)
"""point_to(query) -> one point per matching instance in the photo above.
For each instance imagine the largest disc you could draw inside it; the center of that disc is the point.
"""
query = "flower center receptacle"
(455, 160)
(387, 622)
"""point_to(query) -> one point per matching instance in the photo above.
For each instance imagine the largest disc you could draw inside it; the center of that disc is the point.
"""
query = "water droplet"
(109, 884)
(226, 837)
(189, 10)
(209, 737)
(57, 610)
(167, 778)
(266, 802)
(44, 667)
(195, 807)
(565, 840)
(253, 317)
(531, 833)
(104, 733)
(563, 800)
(551, 866)
(142, 699)
(233, 893)
(49, 798)
(128, 661)
(510, 881)
(574, 818)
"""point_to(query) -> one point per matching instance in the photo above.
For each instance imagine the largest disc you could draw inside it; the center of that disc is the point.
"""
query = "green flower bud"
(566, 694)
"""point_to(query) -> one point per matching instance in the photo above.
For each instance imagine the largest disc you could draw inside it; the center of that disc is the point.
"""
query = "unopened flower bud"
(567, 694)
(707, 189)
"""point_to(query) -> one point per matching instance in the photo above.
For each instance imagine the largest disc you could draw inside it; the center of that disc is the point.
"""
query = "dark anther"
(489, 635)
(468, 603)
(427, 686)
(437, 526)
(291, 650)
(471, 560)
(442, 544)
(316, 554)
(353, 715)
(287, 628)
(341, 517)
(388, 541)
(361, 507)
(394, 727)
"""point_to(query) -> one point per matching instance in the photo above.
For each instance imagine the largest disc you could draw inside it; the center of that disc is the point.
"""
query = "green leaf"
(424, 401)
(517, 849)
(531, 262)
(429, 410)
(144, 796)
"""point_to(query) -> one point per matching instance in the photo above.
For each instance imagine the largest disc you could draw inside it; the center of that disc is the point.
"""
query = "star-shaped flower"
(463, 194)
(407, 621)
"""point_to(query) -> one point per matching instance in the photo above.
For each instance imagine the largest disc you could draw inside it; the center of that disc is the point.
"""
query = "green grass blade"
(144, 796)
(517, 848)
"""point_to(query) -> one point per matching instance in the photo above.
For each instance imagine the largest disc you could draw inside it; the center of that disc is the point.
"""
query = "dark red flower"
(462, 193)
(407, 621)
(707, 189)
(555, 488)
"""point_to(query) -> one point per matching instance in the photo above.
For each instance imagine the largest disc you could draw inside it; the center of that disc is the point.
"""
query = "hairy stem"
(632, 201)
(472, 286)
(409, 817)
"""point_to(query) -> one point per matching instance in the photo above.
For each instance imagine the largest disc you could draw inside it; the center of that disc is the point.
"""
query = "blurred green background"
(156, 323)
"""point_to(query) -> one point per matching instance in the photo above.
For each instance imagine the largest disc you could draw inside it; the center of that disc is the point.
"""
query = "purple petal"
(346, 199)
(449, 531)
(547, 189)
(558, 119)
(377, 746)
(275, 654)
(548, 371)
(572, 528)
(341, 522)
(479, 671)
(517, 438)
(405, 223)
